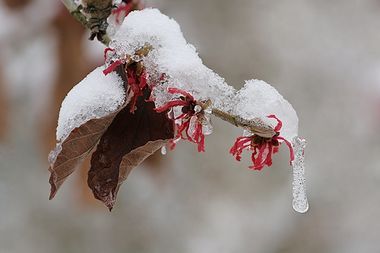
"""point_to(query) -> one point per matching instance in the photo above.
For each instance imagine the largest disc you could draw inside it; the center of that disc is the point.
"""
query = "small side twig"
(93, 16)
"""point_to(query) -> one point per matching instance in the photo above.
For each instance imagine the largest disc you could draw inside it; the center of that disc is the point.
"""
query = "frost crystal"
(300, 203)
(95, 96)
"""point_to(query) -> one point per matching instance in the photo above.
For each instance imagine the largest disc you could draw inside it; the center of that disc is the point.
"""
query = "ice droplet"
(54, 153)
(197, 108)
(247, 133)
(163, 150)
(208, 111)
(192, 126)
(136, 58)
(300, 203)
(207, 127)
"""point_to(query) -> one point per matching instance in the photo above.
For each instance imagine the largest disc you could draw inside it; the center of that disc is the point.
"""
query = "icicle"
(300, 203)
(163, 150)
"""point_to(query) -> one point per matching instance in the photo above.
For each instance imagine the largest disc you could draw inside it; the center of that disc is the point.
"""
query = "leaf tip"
(52, 194)
(53, 185)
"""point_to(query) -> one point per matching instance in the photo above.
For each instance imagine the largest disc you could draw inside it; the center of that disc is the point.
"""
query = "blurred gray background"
(322, 56)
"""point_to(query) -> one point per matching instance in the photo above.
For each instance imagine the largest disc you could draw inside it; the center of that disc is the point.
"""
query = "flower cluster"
(262, 148)
(193, 123)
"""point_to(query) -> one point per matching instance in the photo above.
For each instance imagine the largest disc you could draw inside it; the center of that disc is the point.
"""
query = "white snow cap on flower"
(259, 99)
(171, 55)
(95, 96)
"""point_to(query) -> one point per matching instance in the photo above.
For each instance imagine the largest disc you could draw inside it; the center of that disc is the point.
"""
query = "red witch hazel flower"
(114, 63)
(136, 74)
(137, 81)
(262, 148)
(193, 123)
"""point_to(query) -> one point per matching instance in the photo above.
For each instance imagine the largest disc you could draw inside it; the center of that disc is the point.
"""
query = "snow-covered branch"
(255, 125)
(154, 91)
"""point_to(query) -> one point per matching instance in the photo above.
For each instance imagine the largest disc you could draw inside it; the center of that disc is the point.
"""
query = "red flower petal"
(112, 67)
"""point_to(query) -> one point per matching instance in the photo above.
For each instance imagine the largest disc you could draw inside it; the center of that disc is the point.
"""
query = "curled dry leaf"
(130, 139)
(70, 154)
(125, 140)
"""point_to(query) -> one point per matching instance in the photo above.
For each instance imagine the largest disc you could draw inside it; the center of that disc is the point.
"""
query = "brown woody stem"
(256, 126)
(76, 11)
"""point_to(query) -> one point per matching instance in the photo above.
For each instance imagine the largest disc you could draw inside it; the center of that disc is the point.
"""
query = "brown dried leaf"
(71, 153)
(129, 140)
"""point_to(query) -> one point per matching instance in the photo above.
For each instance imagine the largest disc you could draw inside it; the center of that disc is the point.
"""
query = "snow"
(95, 96)
(171, 55)
(257, 99)
(184, 69)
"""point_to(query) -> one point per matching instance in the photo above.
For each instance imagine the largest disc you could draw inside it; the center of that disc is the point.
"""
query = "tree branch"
(256, 126)
(97, 9)
(93, 16)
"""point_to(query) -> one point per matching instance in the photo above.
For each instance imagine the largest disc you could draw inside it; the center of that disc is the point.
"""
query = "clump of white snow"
(95, 96)
(257, 99)
(171, 55)
(179, 61)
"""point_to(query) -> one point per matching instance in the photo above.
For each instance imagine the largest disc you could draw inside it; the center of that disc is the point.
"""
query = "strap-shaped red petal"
(182, 92)
(112, 67)
(291, 151)
(108, 49)
(279, 123)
